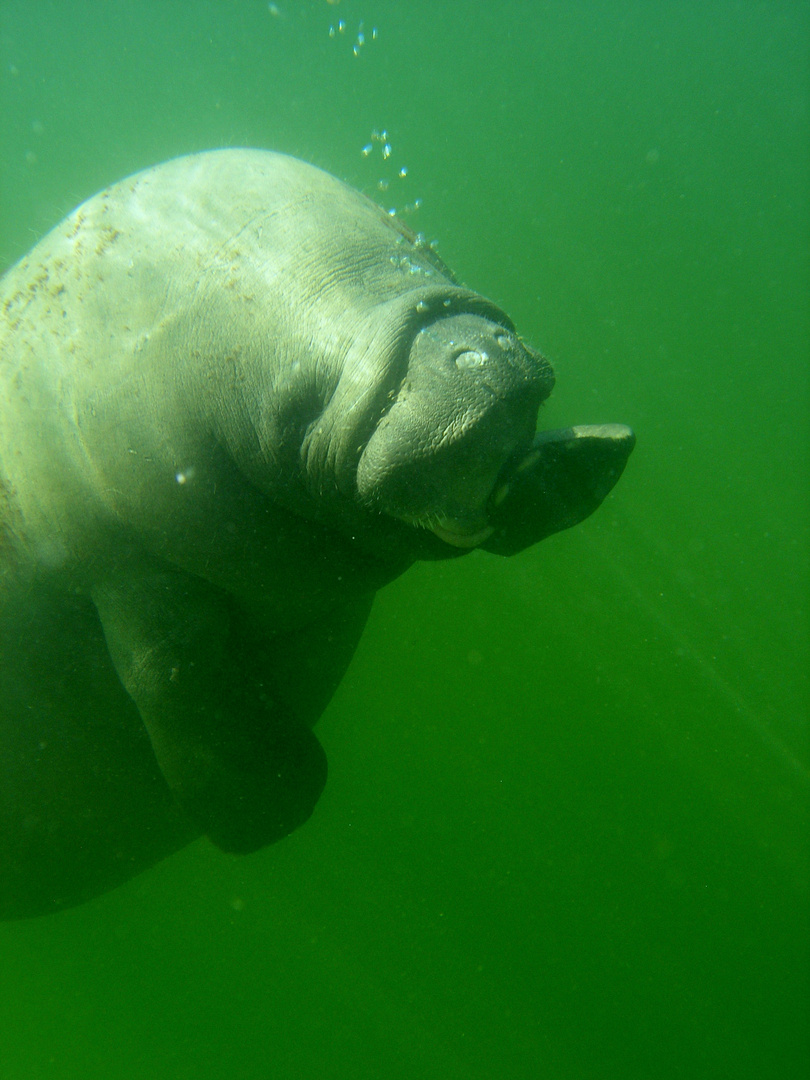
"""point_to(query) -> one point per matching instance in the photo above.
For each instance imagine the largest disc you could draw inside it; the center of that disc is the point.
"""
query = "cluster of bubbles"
(379, 146)
(380, 141)
(338, 30)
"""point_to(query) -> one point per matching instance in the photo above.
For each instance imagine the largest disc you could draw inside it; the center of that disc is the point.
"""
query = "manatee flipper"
(83, 804)
(559, 482)
(240, 764)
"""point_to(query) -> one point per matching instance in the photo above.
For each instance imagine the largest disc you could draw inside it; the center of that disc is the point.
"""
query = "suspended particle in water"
(331, 31)
(382, 185)
(386, 151)
(367, 149)
(184, 476)
(403, 172)
(374, 33)
(341, 26)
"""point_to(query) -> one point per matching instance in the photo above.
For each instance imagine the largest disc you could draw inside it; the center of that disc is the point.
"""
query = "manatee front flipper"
(240, 764)
(560, 481)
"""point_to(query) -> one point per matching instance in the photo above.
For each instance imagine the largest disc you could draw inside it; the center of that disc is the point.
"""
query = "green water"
(565, 833)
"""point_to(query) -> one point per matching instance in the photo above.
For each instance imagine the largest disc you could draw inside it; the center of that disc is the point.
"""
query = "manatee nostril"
(470, 358)
(503, 339)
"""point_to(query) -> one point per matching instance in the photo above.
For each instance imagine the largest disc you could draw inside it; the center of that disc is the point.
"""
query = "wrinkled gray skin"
(237, 398)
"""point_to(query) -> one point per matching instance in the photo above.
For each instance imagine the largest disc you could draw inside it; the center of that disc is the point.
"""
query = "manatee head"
(466, 405)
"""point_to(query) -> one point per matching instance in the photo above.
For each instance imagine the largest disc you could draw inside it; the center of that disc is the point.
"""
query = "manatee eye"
(470, 358)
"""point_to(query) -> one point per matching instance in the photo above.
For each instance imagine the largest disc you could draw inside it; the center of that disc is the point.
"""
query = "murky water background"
(565, 833)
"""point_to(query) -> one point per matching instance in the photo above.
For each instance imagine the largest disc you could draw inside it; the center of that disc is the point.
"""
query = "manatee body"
(236, 399)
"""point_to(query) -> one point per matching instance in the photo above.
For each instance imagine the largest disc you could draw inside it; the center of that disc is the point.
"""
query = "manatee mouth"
(458, 534)
(558, 481)
(563, 477)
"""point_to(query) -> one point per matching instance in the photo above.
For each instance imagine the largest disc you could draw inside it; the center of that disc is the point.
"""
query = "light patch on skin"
(471, 359)
(446, 530)
(450, 530)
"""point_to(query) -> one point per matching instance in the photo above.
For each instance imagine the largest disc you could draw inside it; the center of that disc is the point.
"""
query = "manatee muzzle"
(456, 453)
(467, 401)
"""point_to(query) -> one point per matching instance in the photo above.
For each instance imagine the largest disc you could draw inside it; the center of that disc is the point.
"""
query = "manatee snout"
(467, 404)
(457, 452)
(475, 361)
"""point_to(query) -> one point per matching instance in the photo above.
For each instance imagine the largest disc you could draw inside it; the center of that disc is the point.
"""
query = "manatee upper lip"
(475, 526)
(460, 535)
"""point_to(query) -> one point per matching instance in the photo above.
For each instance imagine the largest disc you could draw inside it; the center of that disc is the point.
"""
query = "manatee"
(237, 399)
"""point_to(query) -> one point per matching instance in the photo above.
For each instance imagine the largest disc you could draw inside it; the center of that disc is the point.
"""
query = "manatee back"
(163, 242)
